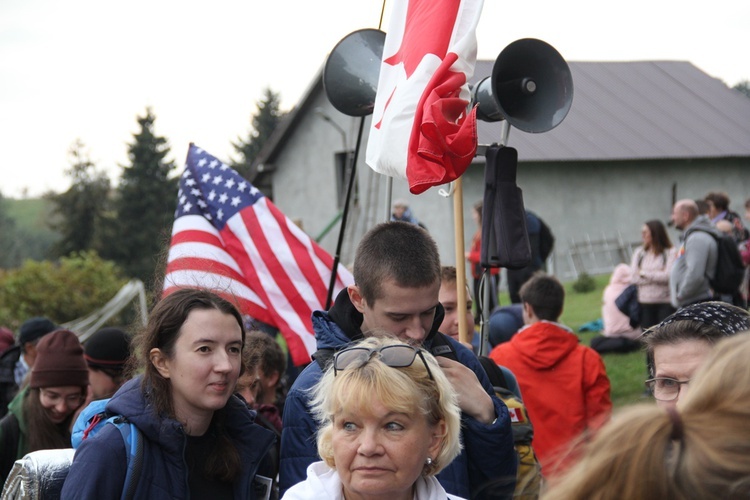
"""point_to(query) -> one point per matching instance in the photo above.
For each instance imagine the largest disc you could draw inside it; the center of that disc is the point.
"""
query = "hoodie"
(695, 264)
(616, 323)
(564, 384)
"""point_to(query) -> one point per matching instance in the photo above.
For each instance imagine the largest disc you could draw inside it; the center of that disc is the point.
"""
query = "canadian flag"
(421, 130)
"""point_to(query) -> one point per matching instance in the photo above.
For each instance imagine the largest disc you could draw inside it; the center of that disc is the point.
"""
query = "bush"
(584, 284)
(62, 291)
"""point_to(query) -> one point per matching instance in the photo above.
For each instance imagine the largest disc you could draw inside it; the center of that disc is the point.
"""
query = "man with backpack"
(695, 267)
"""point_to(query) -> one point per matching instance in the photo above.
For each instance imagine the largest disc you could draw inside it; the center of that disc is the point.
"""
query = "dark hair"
(398, 251)
(545, 295)
(263, 351)
(478, 206)
(659, 238)
(720, 200)
(162, 331)
(42, 433)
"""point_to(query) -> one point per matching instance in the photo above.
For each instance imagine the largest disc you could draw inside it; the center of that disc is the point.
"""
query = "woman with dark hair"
(199, 440)
(39, 417)
(652, 262)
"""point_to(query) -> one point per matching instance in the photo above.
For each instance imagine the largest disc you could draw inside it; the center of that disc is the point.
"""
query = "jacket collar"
(349, 319)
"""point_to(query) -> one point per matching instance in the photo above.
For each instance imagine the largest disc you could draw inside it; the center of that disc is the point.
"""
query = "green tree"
(79, 209)
(744, 87)
(264, 122)
(137, 230)
(10, 253)
(65, 290)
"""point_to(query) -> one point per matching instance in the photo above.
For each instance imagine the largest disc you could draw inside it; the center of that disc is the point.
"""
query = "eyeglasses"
(395, 356)
(665, 388)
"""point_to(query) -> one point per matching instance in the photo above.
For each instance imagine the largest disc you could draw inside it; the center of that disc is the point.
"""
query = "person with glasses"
(388, 422)
(40, 416)
(397, 284)
(679, 345)
(699, 450)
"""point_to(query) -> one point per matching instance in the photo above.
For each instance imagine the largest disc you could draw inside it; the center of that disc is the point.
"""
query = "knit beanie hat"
(108, 348)
(59, 361)
(34, 329)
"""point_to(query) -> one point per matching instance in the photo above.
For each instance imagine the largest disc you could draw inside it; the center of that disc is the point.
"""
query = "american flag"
(228, 237)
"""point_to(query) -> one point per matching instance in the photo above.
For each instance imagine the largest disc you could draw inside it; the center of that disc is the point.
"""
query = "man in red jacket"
(564, 384)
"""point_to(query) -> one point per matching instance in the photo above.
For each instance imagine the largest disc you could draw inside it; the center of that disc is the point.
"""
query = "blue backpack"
(92, 419)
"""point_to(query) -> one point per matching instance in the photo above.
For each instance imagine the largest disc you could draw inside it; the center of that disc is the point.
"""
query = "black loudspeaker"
(350, 76)
(531, 87)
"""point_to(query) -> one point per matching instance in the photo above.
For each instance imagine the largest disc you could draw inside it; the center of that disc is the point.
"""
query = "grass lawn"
(626, 371)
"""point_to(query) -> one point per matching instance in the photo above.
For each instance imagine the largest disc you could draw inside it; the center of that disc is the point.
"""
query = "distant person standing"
(651, 265)
(696, 258)
(474, 256)
(718, 209)
(541, 242)
(402, 213)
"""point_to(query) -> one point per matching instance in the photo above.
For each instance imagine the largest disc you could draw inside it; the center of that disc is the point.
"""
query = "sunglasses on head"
(395, 356)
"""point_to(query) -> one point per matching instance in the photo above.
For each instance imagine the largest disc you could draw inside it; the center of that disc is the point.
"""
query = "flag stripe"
(230, 238)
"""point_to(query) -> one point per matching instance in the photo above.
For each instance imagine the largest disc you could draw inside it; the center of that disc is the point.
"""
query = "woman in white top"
(652, 263)
(389, 422)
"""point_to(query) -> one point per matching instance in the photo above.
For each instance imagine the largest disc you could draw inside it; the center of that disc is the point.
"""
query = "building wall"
(578, 200)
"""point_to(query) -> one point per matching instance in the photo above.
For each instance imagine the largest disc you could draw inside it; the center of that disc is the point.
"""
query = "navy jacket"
(488, 453)
(98, 469)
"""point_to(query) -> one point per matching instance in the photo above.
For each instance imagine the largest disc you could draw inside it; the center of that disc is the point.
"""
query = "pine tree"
(264, 122)
(138, 231)
(10, 252)
(79, 209)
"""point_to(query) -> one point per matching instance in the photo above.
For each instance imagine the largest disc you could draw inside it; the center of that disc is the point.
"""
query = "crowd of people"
(393, 404)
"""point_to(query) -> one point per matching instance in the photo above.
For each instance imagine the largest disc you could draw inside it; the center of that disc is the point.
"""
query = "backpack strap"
(133, 440)
(494, 373)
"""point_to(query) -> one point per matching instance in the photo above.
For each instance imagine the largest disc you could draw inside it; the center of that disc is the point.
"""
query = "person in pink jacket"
(651, 265)
(618, 334)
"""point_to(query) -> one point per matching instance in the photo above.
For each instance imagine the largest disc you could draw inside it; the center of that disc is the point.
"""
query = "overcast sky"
(84, 69)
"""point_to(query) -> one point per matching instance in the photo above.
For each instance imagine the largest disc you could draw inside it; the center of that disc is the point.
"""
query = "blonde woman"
(389, 422)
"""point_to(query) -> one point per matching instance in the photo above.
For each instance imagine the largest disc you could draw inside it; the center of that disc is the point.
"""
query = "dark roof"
(621, 111)
(638, 110)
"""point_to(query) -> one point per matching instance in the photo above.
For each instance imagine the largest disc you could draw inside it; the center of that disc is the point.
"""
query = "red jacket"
(564, 385)
(475, 257)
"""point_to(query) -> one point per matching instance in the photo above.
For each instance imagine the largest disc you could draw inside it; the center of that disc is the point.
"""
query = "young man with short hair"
(564, 383)
(397, 280)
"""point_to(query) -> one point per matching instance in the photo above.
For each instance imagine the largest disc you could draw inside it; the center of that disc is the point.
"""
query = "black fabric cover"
(505, 240)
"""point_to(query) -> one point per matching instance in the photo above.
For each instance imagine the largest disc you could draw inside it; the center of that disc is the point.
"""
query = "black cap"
(107, 348)
(35, 328)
